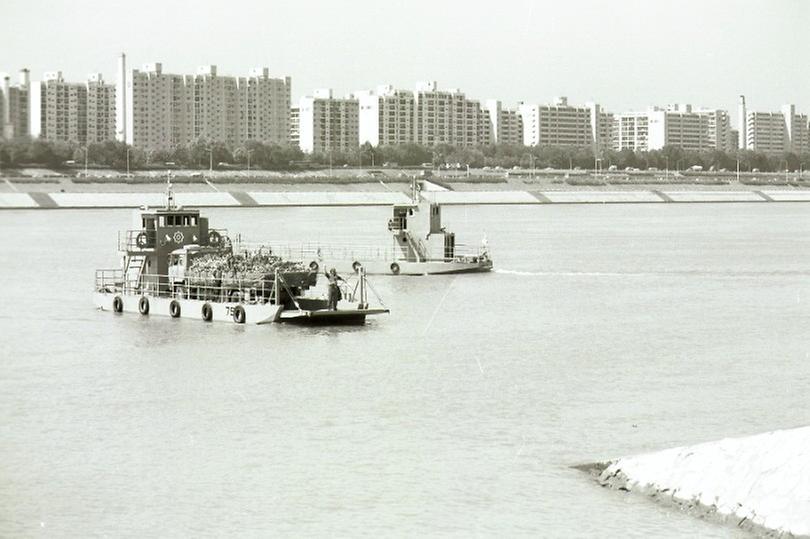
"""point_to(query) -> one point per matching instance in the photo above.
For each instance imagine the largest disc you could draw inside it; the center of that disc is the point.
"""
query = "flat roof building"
(16, 116)
(447, 117)
(328, 124)
(676, 125)
(505, 125)
(775, 132)
(765, 132)
(71, 112)
(164, 111)
(386, 116)
(630, 131)
(557, 124)
(295, 128)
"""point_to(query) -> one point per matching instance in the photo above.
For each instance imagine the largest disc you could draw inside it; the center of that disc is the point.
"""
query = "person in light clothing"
(334, 288)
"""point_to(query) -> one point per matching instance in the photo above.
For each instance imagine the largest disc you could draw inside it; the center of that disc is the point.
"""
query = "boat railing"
(209, 288)
(145, 240)
(318, 252)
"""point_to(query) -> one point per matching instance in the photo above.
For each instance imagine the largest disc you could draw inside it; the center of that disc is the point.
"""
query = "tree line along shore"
(202, 155)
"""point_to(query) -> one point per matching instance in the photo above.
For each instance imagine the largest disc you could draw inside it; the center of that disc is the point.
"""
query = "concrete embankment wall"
(272, 198)
(761, 482)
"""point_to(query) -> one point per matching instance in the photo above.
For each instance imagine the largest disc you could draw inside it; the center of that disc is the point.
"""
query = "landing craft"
(174, 265)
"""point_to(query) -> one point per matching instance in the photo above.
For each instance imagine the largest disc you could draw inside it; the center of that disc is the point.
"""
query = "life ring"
(395, 268)
(214, 238)
(207, 312)
(142, 240)
(118, 304)
(314, 266)
(239, 314)
(174, 308)
(356, 266)
(143, 305)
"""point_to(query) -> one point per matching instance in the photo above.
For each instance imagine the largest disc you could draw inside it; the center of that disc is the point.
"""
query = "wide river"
(605, 331)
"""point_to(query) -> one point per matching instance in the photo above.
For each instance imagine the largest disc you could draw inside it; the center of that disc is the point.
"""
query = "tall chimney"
(121, 100)
(743, 142)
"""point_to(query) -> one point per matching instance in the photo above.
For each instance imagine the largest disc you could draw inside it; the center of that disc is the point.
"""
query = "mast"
(169, 192)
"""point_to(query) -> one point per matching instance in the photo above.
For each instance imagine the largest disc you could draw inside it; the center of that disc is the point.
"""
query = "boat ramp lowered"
(78, 200)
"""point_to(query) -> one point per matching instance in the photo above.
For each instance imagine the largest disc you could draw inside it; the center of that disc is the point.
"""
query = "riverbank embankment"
(760, 483)
(296, 195)
(44, 189)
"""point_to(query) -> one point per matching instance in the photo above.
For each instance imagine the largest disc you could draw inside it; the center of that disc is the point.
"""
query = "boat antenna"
(169, 192)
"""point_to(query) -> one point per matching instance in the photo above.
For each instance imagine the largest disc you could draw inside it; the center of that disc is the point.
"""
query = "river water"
(605, 331)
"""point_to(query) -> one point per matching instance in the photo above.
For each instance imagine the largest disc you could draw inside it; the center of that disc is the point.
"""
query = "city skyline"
(683, 52)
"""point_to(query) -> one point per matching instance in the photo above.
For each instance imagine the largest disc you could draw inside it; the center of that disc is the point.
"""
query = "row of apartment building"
(150, 109)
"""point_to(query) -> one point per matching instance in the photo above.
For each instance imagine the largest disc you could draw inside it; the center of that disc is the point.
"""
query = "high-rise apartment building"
(386, 116)
(3, 110)
(630, 131)
(295, 128)
(16, 117)
(328, 124)
(505, 125)
(559, 124)
(264, 107)
(447, 117)
(676, 125)
(601, 127)
(765, 132)
(101, 112)
(160, 108)
(59, 110)
(776, 132)
(167, 110)
(74, 113)
(797, 133)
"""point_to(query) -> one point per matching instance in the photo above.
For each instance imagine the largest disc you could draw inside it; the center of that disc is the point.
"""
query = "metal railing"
(217, 289)
(350, 252)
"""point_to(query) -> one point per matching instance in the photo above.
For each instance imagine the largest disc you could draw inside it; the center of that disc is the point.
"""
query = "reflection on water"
(605, 331)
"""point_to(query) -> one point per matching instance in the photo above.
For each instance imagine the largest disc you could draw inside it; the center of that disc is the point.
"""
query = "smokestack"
(121, 100)
(743, 142)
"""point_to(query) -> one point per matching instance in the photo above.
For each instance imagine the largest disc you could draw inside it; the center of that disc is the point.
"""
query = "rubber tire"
(142, 240)
(395, 268)
(214, 238)
(143, 305)
(118, 304)
(356, 266)
(239, 314)
(314, 266)
(174, 308)
(207, 312)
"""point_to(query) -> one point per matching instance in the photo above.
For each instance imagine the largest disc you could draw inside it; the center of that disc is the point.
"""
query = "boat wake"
(671, 273)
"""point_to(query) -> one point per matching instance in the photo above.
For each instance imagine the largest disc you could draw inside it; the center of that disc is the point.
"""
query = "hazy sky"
(624, 54)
